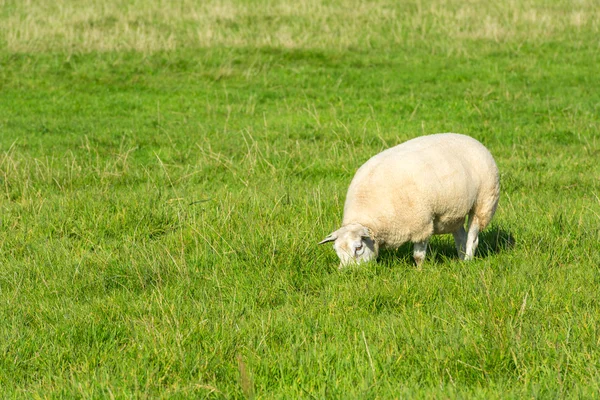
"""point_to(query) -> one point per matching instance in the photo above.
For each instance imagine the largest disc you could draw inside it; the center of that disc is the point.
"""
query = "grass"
(167, 170)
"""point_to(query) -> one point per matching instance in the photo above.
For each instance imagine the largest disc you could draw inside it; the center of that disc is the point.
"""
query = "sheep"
(423, 187)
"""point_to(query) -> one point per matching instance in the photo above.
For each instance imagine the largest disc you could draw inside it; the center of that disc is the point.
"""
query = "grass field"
(167, 168)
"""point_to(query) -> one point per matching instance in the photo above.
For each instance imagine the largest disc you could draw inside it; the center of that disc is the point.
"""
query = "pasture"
(167, 169)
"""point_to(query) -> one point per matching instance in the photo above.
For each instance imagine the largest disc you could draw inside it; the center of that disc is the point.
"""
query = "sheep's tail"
(487, 203)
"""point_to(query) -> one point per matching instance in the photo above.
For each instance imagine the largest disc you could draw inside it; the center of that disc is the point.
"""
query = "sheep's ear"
(332, 236)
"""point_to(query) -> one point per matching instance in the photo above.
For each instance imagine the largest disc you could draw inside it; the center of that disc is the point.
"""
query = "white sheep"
(423, 187)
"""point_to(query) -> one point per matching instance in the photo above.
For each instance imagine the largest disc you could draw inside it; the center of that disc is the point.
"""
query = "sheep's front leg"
(460, 240)
(419, 251)
(472, 237)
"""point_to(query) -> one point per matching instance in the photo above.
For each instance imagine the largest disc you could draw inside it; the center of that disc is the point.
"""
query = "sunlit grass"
(150, 26)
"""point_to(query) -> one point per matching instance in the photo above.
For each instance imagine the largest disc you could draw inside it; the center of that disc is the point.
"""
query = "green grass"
(167, 170)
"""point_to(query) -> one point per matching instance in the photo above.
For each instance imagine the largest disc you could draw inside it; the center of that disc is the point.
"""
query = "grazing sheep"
(423, 187)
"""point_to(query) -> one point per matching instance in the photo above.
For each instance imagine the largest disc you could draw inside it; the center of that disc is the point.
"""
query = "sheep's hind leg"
(419, 251)
(472, 237)
(460, 240)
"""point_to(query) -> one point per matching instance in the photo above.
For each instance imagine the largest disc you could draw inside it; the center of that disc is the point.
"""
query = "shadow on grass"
(494, 240)
(441, 248)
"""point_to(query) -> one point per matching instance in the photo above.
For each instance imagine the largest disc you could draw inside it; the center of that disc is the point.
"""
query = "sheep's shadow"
(441, 248)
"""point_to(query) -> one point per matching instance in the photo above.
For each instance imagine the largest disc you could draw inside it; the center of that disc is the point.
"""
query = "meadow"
(168, 168)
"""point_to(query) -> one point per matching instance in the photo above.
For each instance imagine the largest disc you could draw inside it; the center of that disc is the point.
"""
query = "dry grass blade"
(245, 379)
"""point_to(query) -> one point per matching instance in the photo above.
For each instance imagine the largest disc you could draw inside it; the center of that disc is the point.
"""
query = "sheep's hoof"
(419, 260)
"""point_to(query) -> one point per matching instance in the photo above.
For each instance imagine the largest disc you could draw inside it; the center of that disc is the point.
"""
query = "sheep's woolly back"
(425, 186)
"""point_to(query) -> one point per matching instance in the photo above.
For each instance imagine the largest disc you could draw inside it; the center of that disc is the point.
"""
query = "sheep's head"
(353, 244)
